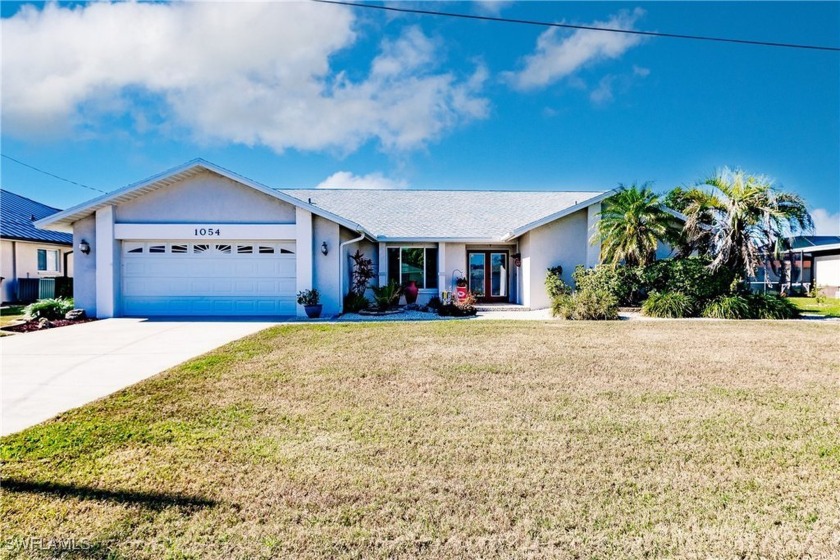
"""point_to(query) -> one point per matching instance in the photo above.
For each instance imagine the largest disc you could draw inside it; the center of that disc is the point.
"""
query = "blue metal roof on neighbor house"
(811, 241)
(16, 216)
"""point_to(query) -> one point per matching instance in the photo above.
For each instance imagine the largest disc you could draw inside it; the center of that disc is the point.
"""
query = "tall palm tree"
(696, 236)
(633, 223)
(741, 216)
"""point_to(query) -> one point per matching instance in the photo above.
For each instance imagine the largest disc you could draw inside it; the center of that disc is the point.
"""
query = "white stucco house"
(202, 240)
(27, 252)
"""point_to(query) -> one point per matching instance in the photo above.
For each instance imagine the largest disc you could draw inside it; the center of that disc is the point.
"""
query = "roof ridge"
(346, 189)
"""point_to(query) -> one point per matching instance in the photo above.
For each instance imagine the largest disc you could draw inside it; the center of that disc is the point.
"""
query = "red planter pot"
(462, 292)
(411, 292)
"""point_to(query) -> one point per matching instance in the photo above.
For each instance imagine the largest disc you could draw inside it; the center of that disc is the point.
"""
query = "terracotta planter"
(411, 292)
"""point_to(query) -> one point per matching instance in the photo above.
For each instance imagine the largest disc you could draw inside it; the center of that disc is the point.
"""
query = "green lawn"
(679, 439)
(9, 315)
(831, 307)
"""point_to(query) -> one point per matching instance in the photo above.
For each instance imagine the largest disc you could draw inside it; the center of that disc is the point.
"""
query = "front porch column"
(106, 272)
(526, 281)
(593, 250)
(441, 269)
(303, 248)
(383, 265)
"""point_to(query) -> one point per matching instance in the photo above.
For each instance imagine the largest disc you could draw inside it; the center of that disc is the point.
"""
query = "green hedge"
(53, 308)
(690, 276)
(585, 305)
(670, 305)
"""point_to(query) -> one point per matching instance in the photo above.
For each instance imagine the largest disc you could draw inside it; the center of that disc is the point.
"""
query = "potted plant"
(461, 288)
(410, 292)
(311, 302)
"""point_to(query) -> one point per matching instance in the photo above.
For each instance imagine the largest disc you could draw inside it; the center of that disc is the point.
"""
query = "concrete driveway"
(51, 371)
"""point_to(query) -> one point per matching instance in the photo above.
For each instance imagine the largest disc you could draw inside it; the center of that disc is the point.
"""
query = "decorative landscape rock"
(44, 323)
(75, 315)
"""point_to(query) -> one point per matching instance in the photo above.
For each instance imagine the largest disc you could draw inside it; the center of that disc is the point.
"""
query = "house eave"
(816, 249)
(385, 239)
(38, 241)
(557, 215)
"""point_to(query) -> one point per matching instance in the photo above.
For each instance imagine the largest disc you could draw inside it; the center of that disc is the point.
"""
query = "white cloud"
(248, 73)
(641, 71)
(608, 85)
(826, 223)
(559, 54)
(604, 92)
(491, 7)
(346, 180)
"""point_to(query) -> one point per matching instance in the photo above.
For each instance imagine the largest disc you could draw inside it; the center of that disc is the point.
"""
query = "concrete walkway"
(51, 371)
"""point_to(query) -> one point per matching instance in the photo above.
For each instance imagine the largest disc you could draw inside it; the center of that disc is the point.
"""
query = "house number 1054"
(207, 232)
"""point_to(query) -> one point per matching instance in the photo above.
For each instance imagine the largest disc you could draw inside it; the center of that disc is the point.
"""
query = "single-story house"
(202, 240)
(810, 259)
(27, 251)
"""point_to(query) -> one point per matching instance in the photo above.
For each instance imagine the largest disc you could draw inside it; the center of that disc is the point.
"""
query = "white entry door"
(208, 278)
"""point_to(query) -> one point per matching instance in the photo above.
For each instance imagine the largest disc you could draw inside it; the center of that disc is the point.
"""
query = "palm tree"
(741, 216)
(696, 235)
(633, 223)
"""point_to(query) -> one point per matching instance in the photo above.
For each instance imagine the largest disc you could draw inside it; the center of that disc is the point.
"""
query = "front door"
(488, 280)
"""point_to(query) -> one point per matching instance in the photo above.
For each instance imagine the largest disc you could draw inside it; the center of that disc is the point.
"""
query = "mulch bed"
(30, 326)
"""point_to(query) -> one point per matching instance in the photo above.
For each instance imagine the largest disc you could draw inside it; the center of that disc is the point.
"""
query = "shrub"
(453, 307)
(671, 305)
(308, 297)
(623, 283)
(54, 308)
(554, 284)
(818, 294)
(690, 276)
(362, 273)
(769, 306)
(353, 303)
(434, 303)
(728, 307)
(386, 297)
(587, 304)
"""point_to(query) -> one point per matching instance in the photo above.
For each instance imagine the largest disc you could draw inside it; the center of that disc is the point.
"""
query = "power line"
(53, 174)
(584, 27)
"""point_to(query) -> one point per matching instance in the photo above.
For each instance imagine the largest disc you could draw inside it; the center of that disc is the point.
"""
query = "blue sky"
(304, 94)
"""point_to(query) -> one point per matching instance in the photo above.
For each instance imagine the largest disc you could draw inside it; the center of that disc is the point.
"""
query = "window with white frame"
(419, 264)
(47, 260)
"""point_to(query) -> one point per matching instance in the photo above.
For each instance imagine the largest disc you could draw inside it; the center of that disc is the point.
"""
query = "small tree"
(362, 273)
(745, 215)
(633, 223)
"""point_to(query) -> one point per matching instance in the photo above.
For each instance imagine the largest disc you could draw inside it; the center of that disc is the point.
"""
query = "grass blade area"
(450, 440)
(829, 308)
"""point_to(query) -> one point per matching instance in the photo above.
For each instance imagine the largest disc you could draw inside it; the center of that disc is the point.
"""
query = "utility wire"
(53, 174)
(585, 27)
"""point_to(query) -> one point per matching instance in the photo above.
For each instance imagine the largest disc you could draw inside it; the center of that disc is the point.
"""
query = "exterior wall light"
(84, 247)
(324, 248)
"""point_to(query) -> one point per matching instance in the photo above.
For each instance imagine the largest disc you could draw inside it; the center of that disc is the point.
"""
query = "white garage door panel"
(208, 278)
(827, 270)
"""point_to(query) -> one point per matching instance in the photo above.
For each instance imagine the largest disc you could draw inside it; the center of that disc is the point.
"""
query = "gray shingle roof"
(444, 214)
(16, 214)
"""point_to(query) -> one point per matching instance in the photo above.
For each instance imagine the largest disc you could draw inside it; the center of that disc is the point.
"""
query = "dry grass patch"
(450, 440)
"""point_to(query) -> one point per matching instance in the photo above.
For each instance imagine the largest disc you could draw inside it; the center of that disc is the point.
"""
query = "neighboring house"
(27, 251)
(201, 240)
(810, 259)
